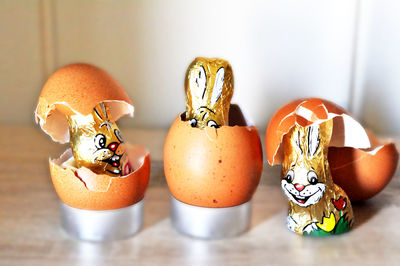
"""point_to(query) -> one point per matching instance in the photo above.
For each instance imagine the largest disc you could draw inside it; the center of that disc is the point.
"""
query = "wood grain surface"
(30, 231)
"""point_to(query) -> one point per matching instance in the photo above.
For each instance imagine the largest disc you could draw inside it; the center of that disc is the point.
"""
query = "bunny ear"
(298, 142)
(101, 111)
(98, 112)
(198, 82)
(313, 139)
(219, 83)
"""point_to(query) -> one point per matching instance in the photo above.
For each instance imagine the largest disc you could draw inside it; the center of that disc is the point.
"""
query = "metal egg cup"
(102, 225)
(210, 223)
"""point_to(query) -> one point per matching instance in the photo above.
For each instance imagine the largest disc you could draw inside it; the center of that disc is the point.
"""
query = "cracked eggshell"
(359, 163)
(213, 167)
(363, 173)
(78, 88)
(84, 189)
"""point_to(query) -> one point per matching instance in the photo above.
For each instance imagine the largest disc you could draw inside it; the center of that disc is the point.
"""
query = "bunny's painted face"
(209, 89)
(305, 190)
(303, 169)
(97, 143)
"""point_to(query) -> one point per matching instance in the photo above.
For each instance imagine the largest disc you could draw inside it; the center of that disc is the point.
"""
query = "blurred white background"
(345, 51)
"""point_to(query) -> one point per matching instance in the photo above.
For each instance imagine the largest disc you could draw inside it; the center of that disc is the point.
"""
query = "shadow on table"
(364, 211)
(269, 200)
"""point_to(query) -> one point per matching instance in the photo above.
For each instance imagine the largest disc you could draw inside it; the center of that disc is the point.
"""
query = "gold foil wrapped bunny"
(97, 143)
(209, 90)
(316, 205)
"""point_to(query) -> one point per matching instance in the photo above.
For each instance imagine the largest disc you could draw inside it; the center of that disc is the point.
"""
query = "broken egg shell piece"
(84, 189)
(363, 173)
(77, 89)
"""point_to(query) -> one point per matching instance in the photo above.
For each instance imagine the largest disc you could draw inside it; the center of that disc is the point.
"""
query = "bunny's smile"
(110, 156)
(114, 161)
(309, 195)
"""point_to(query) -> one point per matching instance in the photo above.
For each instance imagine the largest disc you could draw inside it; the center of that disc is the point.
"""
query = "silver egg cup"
(210, 223)
(102, 225)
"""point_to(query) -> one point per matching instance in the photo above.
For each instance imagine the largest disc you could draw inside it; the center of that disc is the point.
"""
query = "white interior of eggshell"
(56, 125)
(136, 155)
(347, 132)
(376, 144)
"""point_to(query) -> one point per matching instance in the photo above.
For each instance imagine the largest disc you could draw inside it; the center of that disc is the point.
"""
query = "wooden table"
(30, 231)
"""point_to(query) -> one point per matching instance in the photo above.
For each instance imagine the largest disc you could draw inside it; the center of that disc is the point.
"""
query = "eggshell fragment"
(213, 167)
(78, 88)
(84, 189)
(363, 174)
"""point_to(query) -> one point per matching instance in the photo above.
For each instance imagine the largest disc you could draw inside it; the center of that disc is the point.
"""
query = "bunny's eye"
(100, 141)
(212, 123)
(312, 177)
(118, 135)
(193, 122)
(289, 176)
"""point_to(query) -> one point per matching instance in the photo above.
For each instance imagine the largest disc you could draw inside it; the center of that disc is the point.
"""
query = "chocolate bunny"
(209, 89)
(317, 206)
(97, 142)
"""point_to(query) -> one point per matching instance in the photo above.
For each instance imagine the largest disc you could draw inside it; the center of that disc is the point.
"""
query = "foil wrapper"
(97, 143)
(317, 206)
(209, 90)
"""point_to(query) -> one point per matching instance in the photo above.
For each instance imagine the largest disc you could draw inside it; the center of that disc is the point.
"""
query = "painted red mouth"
(301, 200)
(304, 199)
(114, 160)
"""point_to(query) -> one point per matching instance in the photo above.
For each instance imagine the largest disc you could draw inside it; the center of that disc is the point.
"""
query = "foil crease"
(317, 206)
(209, 90)
(97, 143)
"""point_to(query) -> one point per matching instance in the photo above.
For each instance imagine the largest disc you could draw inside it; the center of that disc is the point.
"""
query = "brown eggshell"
(78, 88)
(87, 190)
(360, 173)
(212, 167)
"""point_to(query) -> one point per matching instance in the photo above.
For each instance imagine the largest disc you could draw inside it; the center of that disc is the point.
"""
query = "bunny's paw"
(291, 224)
(308, 229)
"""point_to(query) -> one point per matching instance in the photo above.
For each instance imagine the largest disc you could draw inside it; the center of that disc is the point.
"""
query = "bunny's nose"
(113, 146)
(299, 187)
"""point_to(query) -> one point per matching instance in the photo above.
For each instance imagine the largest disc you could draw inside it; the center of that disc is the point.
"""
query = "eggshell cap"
(78, 88)
(213, 167)
(84, 189)
(347, 132)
